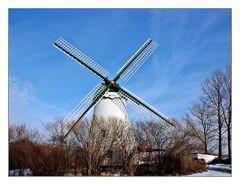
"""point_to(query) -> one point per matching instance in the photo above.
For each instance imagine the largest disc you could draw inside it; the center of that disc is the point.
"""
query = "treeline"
(104, 148)
(210, 117)
(107, 147)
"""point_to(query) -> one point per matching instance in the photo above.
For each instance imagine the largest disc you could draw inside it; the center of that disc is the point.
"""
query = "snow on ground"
(220, 167)
(18, 172)
(211, 173)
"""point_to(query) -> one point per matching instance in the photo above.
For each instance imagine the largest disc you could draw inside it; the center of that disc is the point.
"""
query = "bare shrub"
(55, 130)
(105, 144)
(20, 154)
(42, 160)
(54, 162)
(167, 150)
(18, 132)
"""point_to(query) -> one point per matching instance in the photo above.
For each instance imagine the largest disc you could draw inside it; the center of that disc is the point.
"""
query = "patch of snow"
(208, 158)
(211, 173)
(223, 165)
(20, 172)
(220, 167)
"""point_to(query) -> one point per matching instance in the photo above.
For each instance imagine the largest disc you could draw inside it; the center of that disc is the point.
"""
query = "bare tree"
(106, 143)
(153, 139)
(201, 124)
(55, 131)
(213, 91)
(162, 147)
(124, 147)
(20, 132)
(78, 144)
(144, 140)
(227, 105)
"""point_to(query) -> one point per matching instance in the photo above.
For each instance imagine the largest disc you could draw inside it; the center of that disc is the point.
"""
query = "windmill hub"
(113, 83)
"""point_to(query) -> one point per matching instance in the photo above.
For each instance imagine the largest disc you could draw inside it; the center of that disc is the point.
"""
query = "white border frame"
(6, 4)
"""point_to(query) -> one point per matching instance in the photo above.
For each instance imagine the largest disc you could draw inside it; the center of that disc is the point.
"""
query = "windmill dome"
(111, 106)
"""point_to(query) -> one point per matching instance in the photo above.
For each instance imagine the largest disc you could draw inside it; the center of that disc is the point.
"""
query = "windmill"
(106, 95)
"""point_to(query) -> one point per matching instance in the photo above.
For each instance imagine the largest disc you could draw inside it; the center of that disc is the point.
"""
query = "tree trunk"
(89, 170)
(220, 136)
(229, 142)
(220, 143)
(205, 143)
(205, 149)
(219, 127)
(229, 128)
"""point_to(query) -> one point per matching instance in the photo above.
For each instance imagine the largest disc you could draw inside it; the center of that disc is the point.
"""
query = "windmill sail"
(88, 102)
(81, 58)
(136, 61)
(143, 107)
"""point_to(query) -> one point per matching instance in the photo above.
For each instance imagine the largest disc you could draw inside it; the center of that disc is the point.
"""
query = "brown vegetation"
(89, 151)
(167, 150)
(42, 159)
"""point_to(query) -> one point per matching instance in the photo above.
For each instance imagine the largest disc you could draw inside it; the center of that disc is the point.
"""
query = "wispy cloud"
(25, 107)
(192, 51)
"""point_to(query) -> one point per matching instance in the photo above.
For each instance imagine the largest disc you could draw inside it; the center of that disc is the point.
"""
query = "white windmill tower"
(109, 98)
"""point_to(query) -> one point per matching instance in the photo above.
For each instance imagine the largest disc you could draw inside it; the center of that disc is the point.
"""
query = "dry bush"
(168, 150)
(54, 162)
(171, 165)
(20, 154)
(42, 160)
(180, 165)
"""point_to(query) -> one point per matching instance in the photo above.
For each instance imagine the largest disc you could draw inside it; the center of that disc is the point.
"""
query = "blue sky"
(44, 83)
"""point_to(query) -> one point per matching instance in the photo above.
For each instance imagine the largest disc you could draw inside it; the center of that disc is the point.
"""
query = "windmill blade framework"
(81, 58)
(88, 102)
(143, 107)
(136, 61)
